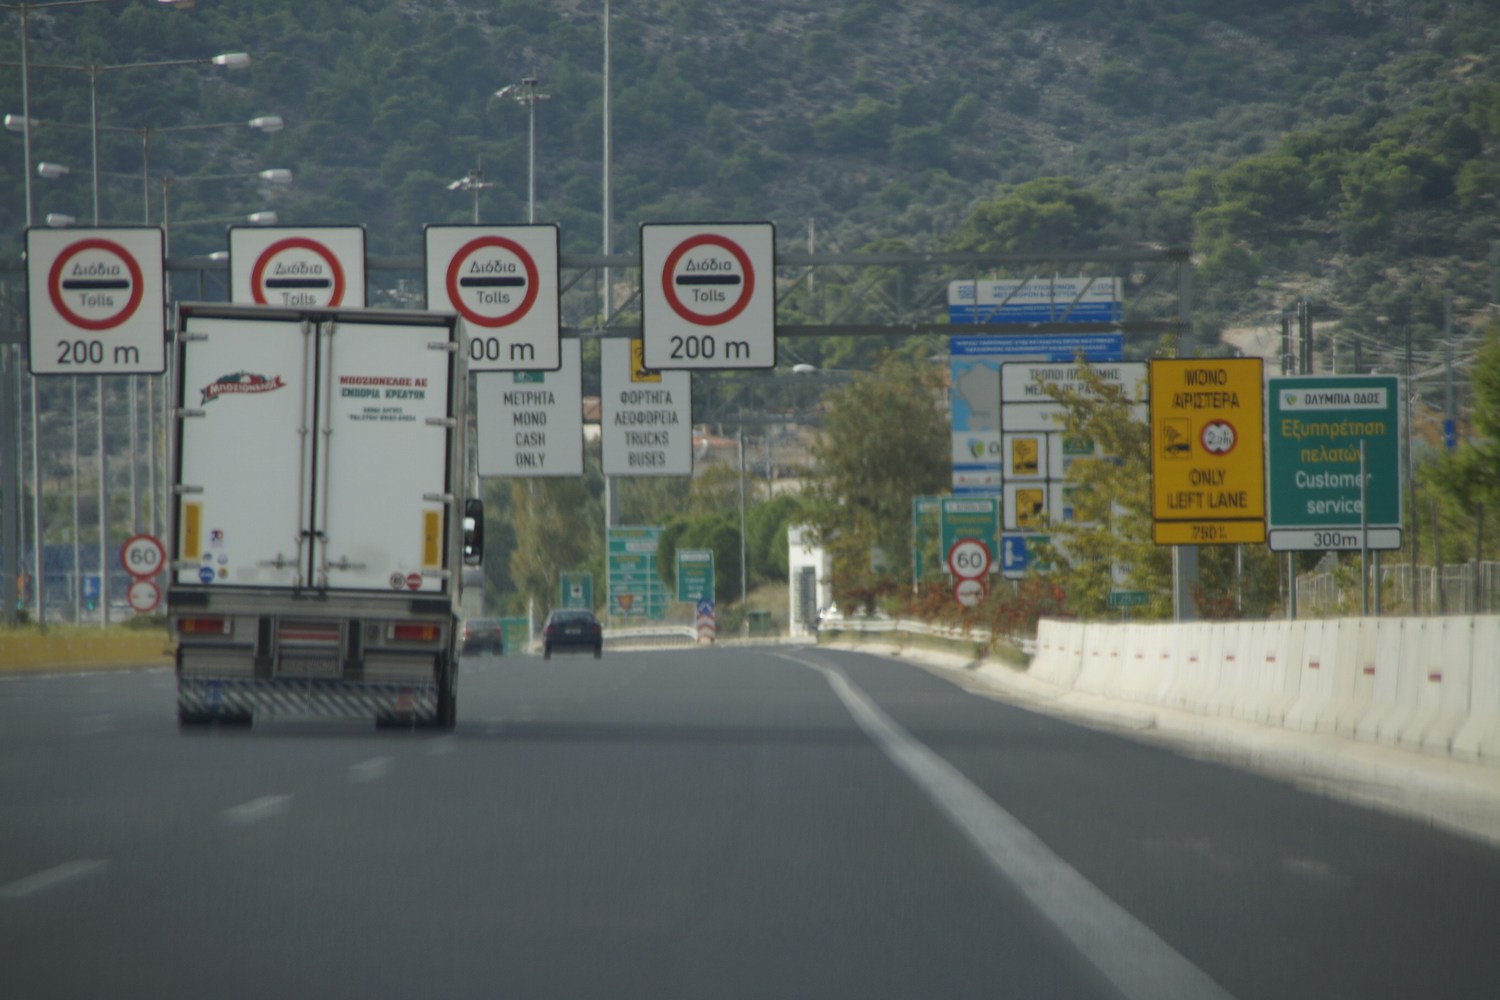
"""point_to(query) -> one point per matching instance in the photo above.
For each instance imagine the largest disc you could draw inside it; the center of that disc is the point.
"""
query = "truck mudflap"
(228, 697)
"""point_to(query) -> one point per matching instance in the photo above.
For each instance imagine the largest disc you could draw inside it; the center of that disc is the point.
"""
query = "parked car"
(572, 629)
(483, 635)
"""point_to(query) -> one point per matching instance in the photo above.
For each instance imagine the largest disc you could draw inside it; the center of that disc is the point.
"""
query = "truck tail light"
(205, 626)
(409, 632)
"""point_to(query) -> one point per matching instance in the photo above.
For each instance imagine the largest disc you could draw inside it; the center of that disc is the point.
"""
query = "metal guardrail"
(658, 635)
(911, 626)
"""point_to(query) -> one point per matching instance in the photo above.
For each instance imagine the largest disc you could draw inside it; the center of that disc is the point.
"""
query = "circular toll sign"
(142, 556)
(492, 281)
(297, 271)
(968, 559)
(708, 280)
(143, 596)
(95, 284)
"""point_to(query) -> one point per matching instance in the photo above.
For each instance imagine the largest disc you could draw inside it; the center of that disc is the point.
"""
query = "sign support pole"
(9, 468)
(1364, 536)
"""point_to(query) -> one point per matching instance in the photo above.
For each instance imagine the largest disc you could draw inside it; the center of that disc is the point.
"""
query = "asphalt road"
(776, 822)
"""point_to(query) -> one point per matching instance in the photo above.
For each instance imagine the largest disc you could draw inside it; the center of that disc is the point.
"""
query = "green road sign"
(1128, 598)
(926, 525)
(577, 591)
(514, 634)
(971, 517)
(1315, 425)
(695, 575)
(636, 589)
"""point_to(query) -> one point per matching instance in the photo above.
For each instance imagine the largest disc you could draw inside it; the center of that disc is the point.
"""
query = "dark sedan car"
(483, 635)
(572, 629)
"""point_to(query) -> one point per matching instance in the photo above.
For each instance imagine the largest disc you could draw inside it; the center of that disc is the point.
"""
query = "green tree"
(1468, 479)
(1111, 496)
(884, 440)
(1053, 213)
(552, 519)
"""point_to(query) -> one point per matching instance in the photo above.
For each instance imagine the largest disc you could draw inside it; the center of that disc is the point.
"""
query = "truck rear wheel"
(447, 699)
(192, 720)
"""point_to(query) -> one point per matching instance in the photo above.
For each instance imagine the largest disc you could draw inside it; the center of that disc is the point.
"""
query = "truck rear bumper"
(231, 696)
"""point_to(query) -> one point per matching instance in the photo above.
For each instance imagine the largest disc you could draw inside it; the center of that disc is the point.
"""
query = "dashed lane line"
(256, 810)
(371, 770)
(52, 878)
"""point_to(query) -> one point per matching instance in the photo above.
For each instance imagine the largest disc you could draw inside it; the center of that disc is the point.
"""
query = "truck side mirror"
(473, 532)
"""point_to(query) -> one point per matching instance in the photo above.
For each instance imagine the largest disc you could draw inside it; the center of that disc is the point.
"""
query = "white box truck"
(320, 525)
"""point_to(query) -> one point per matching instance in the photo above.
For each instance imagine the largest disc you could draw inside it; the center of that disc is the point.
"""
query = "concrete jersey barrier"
(1430, 685)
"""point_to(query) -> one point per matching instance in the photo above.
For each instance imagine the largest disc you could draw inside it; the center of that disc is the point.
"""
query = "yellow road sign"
(1031, 504)
(1208, 532)
(638, 370)
(1023, 456)
(1207, 450)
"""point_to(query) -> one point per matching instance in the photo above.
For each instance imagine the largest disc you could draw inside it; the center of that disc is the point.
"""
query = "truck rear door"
(383, 507)
(244, 396)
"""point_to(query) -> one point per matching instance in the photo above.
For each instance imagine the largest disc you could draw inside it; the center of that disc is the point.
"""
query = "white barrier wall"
(1425, 684)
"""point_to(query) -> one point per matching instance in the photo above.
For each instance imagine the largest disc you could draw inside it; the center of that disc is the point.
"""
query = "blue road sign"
(1013, 555)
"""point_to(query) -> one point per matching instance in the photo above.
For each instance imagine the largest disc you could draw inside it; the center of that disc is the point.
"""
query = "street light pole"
(12, 557)
(526, 93)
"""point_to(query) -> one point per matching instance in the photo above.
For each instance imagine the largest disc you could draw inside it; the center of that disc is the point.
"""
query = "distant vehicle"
(572, 628)
(483, 635)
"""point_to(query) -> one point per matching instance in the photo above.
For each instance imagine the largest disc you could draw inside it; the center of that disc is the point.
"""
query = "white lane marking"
(50, 879)
(93, 725)
(371, 770)
(256, 810)
(1131, 955)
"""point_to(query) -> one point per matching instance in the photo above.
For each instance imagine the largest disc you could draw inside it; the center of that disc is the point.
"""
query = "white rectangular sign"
(503, 281)
(708, 295)
(298, 268)
(531, 423)
(1049, 417)
(1340, 539)
(96, 301)
(1027, 381)
(646, 416)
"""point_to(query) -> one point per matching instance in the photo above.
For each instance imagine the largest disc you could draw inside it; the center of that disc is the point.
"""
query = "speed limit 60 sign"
(708, 295)
(96, 301)
(503, 281)
(142, 556)
(969, 559)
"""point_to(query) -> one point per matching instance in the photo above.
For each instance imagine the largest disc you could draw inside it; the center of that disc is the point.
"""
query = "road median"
(63, 649)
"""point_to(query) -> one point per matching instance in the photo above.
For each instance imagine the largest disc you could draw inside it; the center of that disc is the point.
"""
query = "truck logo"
(240, 382)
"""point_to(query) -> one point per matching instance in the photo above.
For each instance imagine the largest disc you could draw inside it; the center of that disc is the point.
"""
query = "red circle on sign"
(142, 595)
(969, 572)
(296, 243)
(147, 543)
(708, 319)
(54, 285)
(970, 592)
(1218, 437)
(504, 319)
(414, 581)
